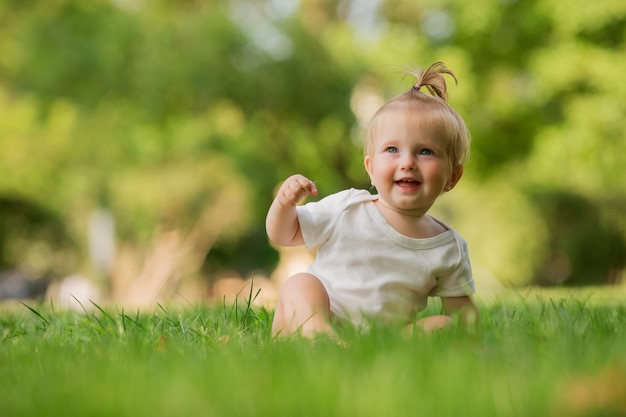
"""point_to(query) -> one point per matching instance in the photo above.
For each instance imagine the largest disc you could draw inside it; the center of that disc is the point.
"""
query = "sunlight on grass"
(536, 352)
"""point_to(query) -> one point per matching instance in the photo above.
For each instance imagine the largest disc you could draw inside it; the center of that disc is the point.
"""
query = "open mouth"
(408, 184)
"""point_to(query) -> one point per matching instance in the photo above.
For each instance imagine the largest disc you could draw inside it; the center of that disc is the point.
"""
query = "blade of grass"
(104, 313)
(36, 313)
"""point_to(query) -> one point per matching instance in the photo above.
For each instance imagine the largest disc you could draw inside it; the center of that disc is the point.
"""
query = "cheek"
(437, 172)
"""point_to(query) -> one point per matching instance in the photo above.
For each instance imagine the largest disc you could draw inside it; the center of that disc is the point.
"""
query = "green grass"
(534, 354)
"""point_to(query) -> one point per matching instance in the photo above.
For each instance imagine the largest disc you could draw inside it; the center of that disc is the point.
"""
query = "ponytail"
(432, 79)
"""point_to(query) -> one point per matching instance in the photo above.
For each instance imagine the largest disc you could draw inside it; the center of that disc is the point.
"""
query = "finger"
(296, 188)
(293, 192)
(309, 188)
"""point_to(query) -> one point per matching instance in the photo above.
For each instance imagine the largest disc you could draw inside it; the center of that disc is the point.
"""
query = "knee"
(304, 288)
(303, 306)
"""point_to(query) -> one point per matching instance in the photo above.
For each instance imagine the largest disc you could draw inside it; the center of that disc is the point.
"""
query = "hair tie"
(417, 86)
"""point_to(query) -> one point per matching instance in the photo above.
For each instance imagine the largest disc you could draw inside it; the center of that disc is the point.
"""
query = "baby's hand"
(294, 189)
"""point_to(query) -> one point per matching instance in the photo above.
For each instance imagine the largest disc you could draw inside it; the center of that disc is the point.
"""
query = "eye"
(426, 151)
(391, 149)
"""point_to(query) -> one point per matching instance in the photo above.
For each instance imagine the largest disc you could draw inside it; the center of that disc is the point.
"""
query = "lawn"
(535, 353)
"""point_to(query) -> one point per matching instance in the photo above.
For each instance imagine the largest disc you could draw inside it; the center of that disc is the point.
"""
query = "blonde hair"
(433, 110)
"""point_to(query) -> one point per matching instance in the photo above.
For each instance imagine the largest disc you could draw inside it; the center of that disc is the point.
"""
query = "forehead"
(402, 124)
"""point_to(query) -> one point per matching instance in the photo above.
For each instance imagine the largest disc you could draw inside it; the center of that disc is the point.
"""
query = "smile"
(408, 184)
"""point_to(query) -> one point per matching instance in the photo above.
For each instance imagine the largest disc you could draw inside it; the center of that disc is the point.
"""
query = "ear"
(367, 161)
(457, 173)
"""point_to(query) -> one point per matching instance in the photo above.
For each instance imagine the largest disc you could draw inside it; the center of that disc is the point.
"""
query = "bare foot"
(429, 324)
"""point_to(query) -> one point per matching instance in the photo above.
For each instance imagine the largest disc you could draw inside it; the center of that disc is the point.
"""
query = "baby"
(381, 256)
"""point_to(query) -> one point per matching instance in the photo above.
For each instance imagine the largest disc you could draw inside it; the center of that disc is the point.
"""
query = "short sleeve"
(457, 279)
(318, 219)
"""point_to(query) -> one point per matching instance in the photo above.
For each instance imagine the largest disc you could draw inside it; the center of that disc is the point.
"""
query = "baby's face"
(408, 163)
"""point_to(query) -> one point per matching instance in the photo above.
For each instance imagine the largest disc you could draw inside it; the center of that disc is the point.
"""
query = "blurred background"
(141, 141)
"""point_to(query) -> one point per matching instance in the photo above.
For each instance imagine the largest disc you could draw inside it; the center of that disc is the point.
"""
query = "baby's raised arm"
(282, 223)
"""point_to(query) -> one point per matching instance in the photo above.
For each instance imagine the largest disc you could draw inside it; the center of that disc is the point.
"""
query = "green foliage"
(27, 223)
(584, 252)
(187, 115)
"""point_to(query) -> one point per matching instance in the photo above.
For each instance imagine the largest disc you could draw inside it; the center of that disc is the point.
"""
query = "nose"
(407, 162)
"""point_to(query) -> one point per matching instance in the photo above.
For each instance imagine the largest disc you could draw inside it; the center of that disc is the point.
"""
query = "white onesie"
(371, 270)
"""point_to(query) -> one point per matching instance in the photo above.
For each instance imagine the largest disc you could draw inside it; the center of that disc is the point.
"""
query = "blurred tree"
(583, 247)
(146, 96)
(184, 116)
(39, 245)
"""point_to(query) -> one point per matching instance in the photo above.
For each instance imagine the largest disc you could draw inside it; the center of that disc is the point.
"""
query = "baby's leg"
(303, 306)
